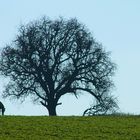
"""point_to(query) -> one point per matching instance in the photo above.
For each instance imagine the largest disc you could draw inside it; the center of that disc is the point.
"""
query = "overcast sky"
(114, 23)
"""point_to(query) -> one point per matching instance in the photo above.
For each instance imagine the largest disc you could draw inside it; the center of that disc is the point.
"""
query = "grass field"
(71, 128)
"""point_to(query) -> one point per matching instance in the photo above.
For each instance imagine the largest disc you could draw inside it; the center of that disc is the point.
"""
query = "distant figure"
(2, 108)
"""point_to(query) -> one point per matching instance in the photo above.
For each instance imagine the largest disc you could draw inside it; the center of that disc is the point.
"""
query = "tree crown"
(50, 58)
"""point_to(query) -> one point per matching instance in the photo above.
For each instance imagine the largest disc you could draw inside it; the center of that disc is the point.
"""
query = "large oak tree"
(52, 58)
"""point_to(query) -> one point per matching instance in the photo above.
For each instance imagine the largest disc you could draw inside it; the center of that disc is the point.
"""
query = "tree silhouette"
(52, 58)
(108, 105)
(2, 108)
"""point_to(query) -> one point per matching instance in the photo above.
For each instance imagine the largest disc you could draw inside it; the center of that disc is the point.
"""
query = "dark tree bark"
(2, 108)
(49, 59)
(52, 110)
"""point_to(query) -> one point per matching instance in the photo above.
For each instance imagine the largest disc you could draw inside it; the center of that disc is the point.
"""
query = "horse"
(2, 108)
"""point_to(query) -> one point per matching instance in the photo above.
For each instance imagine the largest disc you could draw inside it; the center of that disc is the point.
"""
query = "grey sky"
(114, 23)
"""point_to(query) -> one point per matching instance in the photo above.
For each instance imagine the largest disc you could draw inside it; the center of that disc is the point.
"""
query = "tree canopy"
(52, 58)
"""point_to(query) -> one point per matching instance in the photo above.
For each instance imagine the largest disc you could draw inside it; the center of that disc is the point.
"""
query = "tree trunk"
(2, 112)
(52, 109)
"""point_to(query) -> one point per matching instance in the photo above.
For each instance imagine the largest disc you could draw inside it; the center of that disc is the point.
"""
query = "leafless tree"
(52, 58)
(2, 108)
(108, 105)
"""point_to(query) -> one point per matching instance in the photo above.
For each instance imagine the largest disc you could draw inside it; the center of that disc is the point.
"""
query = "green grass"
(71, 128)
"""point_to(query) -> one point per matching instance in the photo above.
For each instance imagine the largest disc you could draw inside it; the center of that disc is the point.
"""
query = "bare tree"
(108, 105)
(52, 58)
(2, 108)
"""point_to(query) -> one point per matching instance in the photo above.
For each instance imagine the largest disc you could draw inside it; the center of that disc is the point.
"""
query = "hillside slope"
(71, 128)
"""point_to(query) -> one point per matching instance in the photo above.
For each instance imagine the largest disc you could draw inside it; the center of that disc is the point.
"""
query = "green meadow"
(70, 128)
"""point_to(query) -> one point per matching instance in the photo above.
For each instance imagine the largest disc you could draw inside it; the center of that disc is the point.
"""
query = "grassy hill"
(71, 128)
